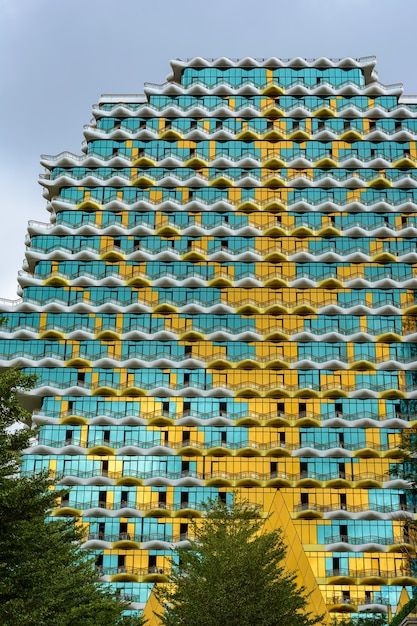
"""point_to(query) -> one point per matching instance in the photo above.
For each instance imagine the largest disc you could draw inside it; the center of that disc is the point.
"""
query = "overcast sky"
(58, 57)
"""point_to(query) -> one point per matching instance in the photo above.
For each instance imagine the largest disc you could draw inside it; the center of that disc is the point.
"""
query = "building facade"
(224, 299)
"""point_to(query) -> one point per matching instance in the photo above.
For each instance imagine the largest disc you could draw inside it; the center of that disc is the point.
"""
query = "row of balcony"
(141, 230)
(371, 602)
(344, 603)
(378, 539)
(203, 270)
(253, 106)
(375, 225)
(235, 479)
(198, 177)
(161, 359)
(324, 303)
(135, 574)
(143, 202)
(255, 353)
(275, 87)
(139, 538)
(385, 333)
(242, 416)
(247, 355)
(163, 509)
(268, 158)
(211, 276)
(354, 508)
(372, 576)
(166, 537)
(235, 245)
(247, 388)
(344, 572)
(150, 509)
(293, 131)
(148, 325)
(244, 446)
(402, 251)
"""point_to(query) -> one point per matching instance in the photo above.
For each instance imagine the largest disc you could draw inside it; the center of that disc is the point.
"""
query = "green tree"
(410, 607)
(408, 468)
(233, 575)
(45, 578)
(14, 419)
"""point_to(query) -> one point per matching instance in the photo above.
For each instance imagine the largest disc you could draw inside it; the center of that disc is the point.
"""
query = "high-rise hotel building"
(224, 301)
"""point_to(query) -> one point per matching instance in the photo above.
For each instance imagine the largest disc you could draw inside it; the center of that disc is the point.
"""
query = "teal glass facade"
(224, 299)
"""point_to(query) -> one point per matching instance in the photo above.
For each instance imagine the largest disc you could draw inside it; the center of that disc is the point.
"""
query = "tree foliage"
(45, 578)
(233, 575)
(14, 436)
(410, 607)
(408, 468)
